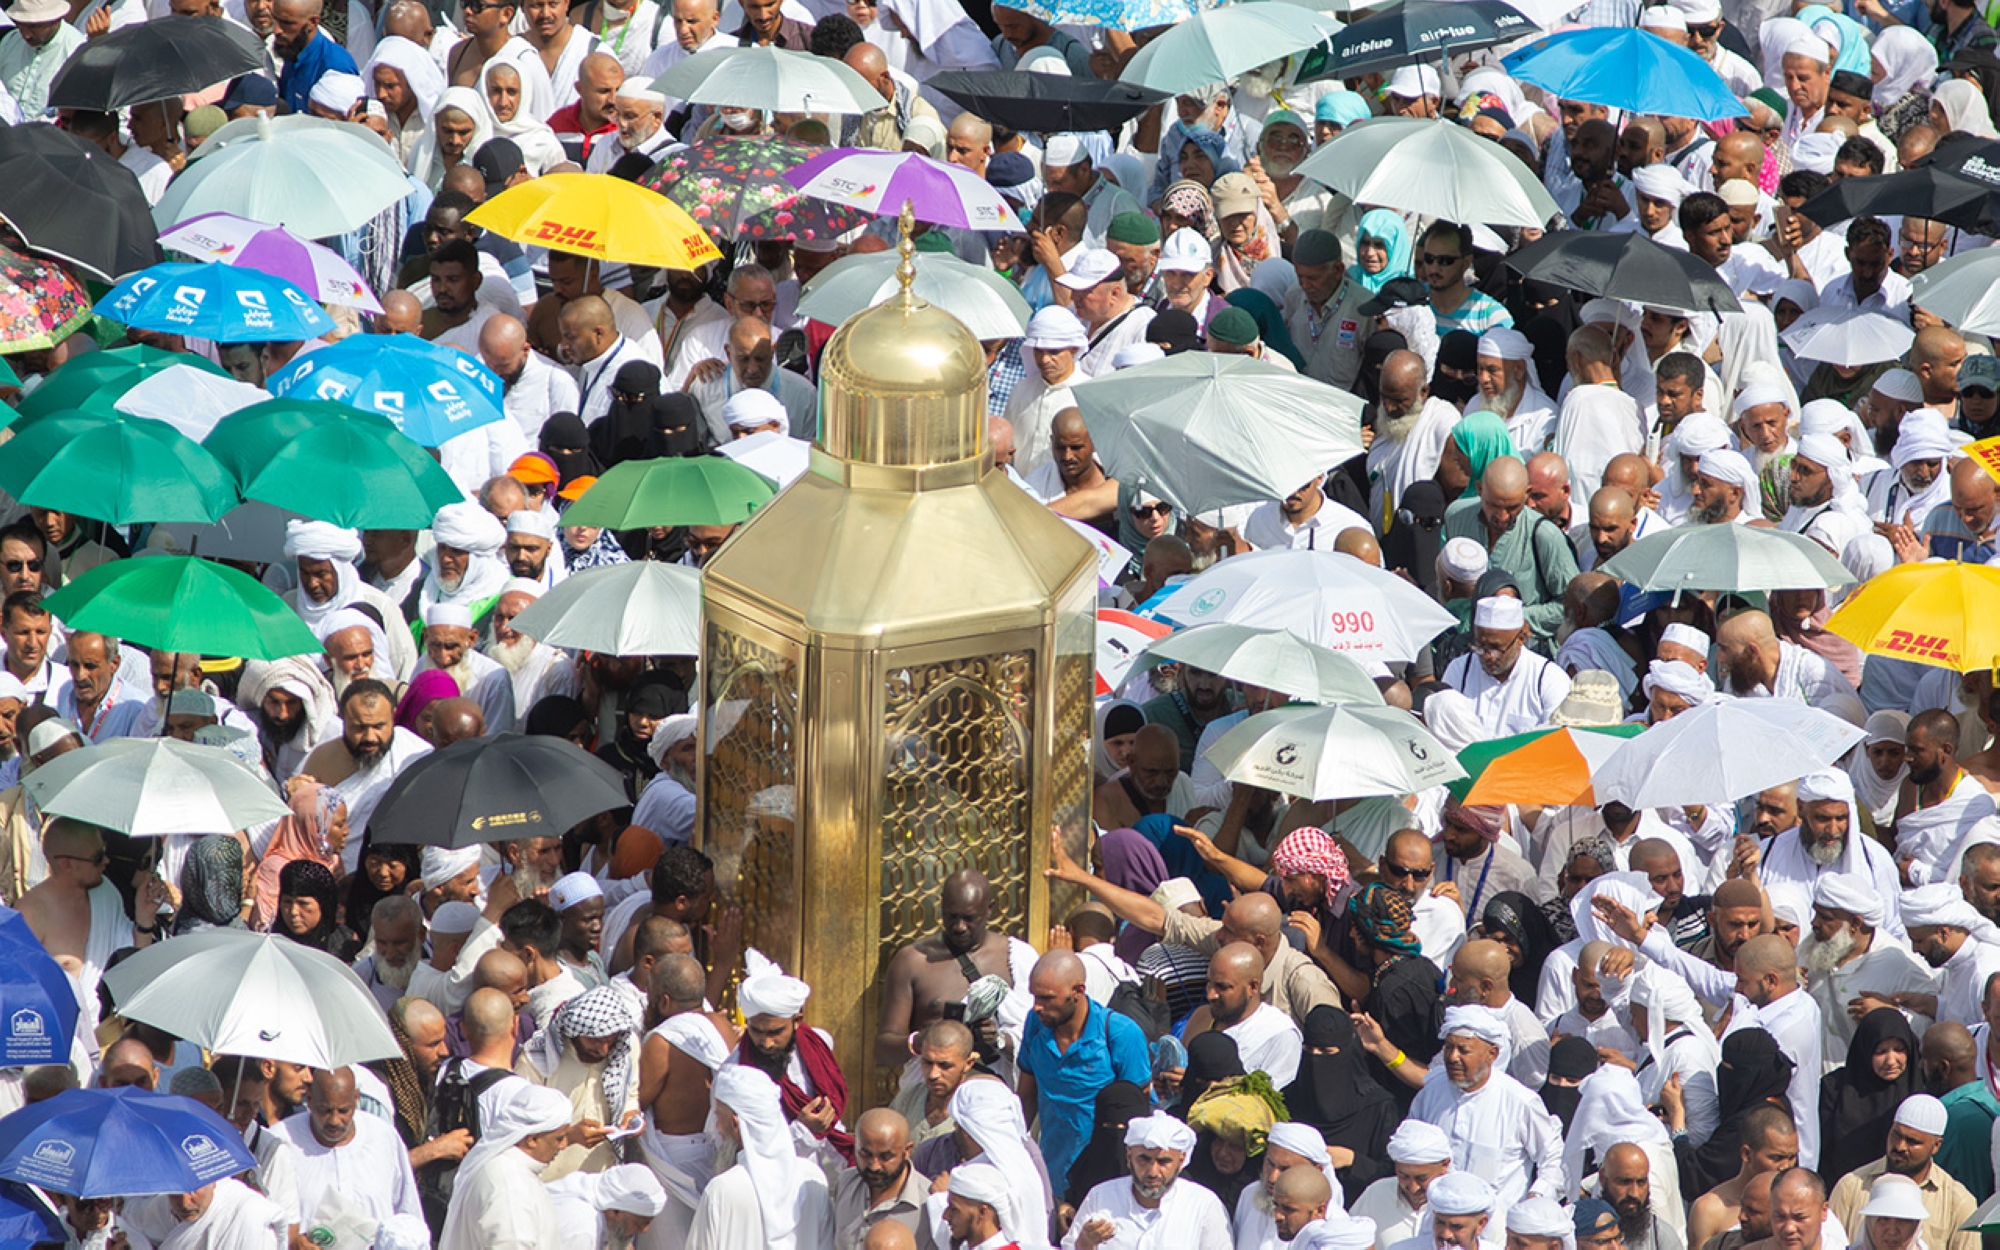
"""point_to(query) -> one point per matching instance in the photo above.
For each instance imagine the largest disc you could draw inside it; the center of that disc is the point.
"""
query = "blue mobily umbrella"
(222, 303)
(1626, 68)
(114, 1143)
(430, 392)
(38, 1005)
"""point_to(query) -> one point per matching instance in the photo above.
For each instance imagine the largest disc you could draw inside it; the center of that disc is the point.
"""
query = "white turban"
(1790, 901)
(1841, 891)
(1538, 1216)
(675, 729)
(1923, 435)
(1758, 394)
(754, 409)
(535, 522)
(442, 864)
(344, 619)
(1416, 1142)
(1698, 434)
(1055, 328)
(1614, 311)
(1459, 1193)
(317, 540)
(337, 91)
(1159, 1131)
(1336, 1232)
(1666, 998)
(768, 1154)
(1724, 465)
(1827, 786)
(470, 528)
(1678, 678)
(767, 991)
(1478, 1021)
(519, 1109)
(1939, 904)
(1825, 451)
(1660, 182)
(11, 688)
(1682, 634)
(521, 585)
(989, 1113)
(982, 1182)
(632, 1188)
(1505, 343)
(1305, 1141)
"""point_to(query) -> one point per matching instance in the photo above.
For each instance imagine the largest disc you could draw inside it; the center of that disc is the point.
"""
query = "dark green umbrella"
(280, 451)
(183, 603)
(114, 468)
(693, 490)
(104, 375)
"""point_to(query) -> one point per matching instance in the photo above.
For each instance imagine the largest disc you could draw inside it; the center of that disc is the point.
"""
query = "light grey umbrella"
(989, 305)
(151, 787)
(1271, 659)
(640, 608)
(775, 80)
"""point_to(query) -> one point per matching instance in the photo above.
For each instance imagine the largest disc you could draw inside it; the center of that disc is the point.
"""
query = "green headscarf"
(1483, 437)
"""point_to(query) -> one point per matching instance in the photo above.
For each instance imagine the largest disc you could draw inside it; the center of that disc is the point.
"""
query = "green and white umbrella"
(1345, 751)
(1963, 290)
(989, 305)
(151, 787)
(320, 178)
(1204, 431)
(1431, 167)
(1216, 45)
(1727, 557)
(640, 608)
(773, 79)
(1272, 659)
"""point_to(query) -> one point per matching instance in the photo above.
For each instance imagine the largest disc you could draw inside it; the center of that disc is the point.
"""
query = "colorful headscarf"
(1388, 227)
(425, 689)
(1311, 850)
(1384, 917)
(1188, 198)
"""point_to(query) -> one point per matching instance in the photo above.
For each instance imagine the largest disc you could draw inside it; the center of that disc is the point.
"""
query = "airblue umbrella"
(1625, 67)
(115, 1143)
(430, 393)
(221, 303)
(37, 1001)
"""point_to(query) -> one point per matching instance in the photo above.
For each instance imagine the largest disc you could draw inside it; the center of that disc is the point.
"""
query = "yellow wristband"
(1398, 1061)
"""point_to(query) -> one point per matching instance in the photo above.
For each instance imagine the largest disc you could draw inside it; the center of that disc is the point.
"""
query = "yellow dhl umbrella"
(607, 219)
(1947, 615)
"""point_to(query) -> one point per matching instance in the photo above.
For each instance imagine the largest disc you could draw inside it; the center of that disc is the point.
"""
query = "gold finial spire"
(906, 270)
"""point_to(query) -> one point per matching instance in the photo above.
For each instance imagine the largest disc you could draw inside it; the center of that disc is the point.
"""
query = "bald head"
(1405, 369)
(1155, 746)
(1935, 344)
(1591, 598)
(401, 313)
(489, 1014)
(966, 889)
(1303, 1186)
(1238, 959)
(1505, 478)
(1748, 629)
(1765, 955)
(1612, 505)
(1547, 470)
(500, 970)
(1058, 970)
(1590, 346)
(1479, 971)
(882, 1129)
(1360, 544)
(1629, 473)
(1253, 916)
(867, 60)
(972, 129)
(456, 719)
(588, 312)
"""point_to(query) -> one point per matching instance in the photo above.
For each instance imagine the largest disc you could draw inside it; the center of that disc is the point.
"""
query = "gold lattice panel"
(750, 787)
(1069, 780)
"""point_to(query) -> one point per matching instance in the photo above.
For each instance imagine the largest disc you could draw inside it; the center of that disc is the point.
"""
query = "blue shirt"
(1111, 1048)
(295, 81)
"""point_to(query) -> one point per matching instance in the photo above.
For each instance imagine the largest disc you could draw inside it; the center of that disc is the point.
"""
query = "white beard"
(1397, 428)
(449, 585)
(681, 775)
(395, 975)
(528, 879)
(1504, 404)
(1825, 854)
(461, 673)
(511, 656)
(1823, 957)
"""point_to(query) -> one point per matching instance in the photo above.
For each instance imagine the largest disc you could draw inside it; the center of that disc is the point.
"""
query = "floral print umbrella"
(735, 188)
(40, 303)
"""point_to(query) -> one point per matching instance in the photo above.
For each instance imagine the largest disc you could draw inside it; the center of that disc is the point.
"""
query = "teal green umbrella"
(692, 490)
(114, 468)
(279, 452)
(106, 374)
(183, 603)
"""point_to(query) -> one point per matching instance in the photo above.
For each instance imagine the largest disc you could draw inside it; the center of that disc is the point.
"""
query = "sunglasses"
(1707, 30)
(1432, 258)
(17, 566)
(1414, 874)
(1158, 509)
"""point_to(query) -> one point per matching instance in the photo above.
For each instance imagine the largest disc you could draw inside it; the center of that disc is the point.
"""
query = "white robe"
(1521, 702)
(371, 1171)
(1934, 837)
(729, 1217)
(1794, 1023)
(1500, 1132)
(1596, 423)
(1394, 1219)
(491, 686)
(1962, 981)
(1189, 1217)
(363, 789)
(1269, 1042)
(1883, 969)
(238, 1218)
(503, 1206)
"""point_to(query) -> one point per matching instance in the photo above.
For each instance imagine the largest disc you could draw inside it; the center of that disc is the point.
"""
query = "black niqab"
(1336, 1094)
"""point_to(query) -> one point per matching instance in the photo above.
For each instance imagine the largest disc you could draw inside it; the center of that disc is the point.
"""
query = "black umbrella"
(69, 201)
(1047, 102)
(495, 790)
(1415, 31)
(158, 60)
(1624, 265)
(1934, 191)
(1977, 159)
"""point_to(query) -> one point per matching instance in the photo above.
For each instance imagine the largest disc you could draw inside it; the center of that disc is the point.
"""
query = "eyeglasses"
(1157, 509)
(18, 566)
(1414, 874)
(1981, 392)
(1432, 258)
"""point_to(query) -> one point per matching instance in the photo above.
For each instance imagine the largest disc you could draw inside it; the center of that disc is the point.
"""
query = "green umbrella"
(106, 374)
(114, 468)
(279, 452)
(183, 603)
(692, 490)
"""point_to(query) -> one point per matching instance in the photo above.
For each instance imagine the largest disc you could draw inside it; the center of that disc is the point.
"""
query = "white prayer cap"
(1815, 152)
(317, 540)
(1478, 1021)
(1176, 892)
(50, 732)
(448, 616)
(1539, 1217)
(1678, 678)
(537, 522)
(1738, 192)
(981, 1182)
(1499, 612)
(1062, 151)
(1723, 465)
(1133, 354)
(1660, 182)
(1757, 395)
(576, 887)
(521, 585)
(1825, 451)
(442, 864)
(638, 90)
(455, 917)
(1790, 903)
(11, 688)
(338, 91)
(1416, 1142)
(1185, 251)
(1921, 1113)
(1824, 416)
(767, 991)
(1054, 329)
(1159, 1131)
(1300, 1139)
(667, 734)
(1811, 46)
(1336, 1232)
(754, 409)
(1662, 17)
(1939, 904)
(1093, 268)
(1900, 384)
(1465, 559)
(1505, 343)
(1895, 1197)
(1841, 891)
(1699, 433)
(1614, 311)
(1829, 785)
(1923, 435)
(631, 1188)
(468, 527)
(1681, 634)
(1413, 82)
(1699, 12)
(1459, 1193)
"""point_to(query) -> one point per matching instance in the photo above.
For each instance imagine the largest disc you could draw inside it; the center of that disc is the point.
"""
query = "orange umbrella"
(1543, 767)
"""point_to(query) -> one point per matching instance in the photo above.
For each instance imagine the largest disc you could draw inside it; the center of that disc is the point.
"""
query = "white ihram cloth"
(1794, 1023)
(1269, 1042)
(1933, 837)
(371, 1171)
(1500, 1133)
(238, 1218)
(364, 788)
(1189, 1217)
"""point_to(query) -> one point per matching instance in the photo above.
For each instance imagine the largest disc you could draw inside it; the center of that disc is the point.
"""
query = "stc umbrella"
(183, 603)
(430, 393)
(1423, 165)
(679, 490)
(121, 1143)
(215, 302)
(496, 789)
(1337, 601)
(113, 468)
(1343, 751)
(1962, 290)
(318, 270)
(1728, 558)
(1624, 265)
(233, 992)
(1416, 31)
(96, 379)
(1270, 659)
(1849, 339)
(38, 1010)
(1216, 45)
(1206, 431)
(1625, 67)
(1046, 103)
(1543, 767)
(68, 200)
(152, 61)
(1121, 638)
(153, 787)
(642, 607)
(278, 451)
(1115, 14)
(1720, 752)
(40, 303)
(989, 305)
(607, 219)
(320, 178)
(736, 188)
(1943, 614)
(776, 80)
(936, 191)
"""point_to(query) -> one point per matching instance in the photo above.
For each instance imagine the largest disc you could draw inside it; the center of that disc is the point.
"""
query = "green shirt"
(1534, 549)
(1968, 1138)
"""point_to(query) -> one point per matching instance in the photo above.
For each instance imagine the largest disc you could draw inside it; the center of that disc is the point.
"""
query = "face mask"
(739, 121)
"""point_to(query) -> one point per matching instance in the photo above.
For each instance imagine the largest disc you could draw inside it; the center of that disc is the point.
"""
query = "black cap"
(1396, 293)
(250, 91)
(497, 160)
(1174, 330)
(1848, 82)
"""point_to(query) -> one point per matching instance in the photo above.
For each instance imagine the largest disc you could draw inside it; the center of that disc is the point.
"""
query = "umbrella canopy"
(1717, 753)
(1113, 557)
(495, 790)
(183, 603)
(97, 379)
(1047, 103)
(596, 215)
(1203, 431)
(678, 490)
(776, 80)
(1624, 265)
(1121, 638)
(120, 1143)
(1727, 557)
(114, 468)
(152, 787)
(736, 188)
(1926, 191)
(989, 305)
(936, 191)
(250, 531)
(1216, 45)
(1344, 751)
(40, 303)
(1942, 614)
(640, 608)
(1625, 67)
(215, 302)
(278, 451)
(776, 457)
(1337, 601)
(151, 61)
(319, 271)
(257, 994)
(1850, 339)
(1416, 30)
(1543, 767)
(38, 1009)
(190, 399)
(321, 178)
(26, 1219)
(1423, 165)
(429, 392)
(1115, 14)
(1963, 290)
(1270, 659)
(69, 200)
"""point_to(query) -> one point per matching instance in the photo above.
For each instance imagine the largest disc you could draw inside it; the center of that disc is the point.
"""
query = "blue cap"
(250, 91)
(1009, 169)
(1593, 1216)
(1341, 107)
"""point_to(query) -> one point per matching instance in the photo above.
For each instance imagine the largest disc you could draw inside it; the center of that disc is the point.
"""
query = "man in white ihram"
(770, 1197)
(324, 556)
(1459, 1207)
(349, 1162)
(499, 1201)
(1499, 1129)
(1126, 1209)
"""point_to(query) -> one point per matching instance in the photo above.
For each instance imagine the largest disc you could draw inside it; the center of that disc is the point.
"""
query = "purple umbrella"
(882, 182)
(233, 240)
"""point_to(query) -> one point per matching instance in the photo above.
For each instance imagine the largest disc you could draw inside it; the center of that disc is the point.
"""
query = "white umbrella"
(1727, 557)
(191, 400)
(152, 787)
(320, 178)
(1203, 430)
(233, 992)
(1431, 167)
(640, 608)
(1272, 659)
(1345, 751)
(1722, 751)
(776, 457)
(1337, 601)
(773, 79)
(1216, 45)
(1850, 339)
(1963, 290)
(989, 305)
